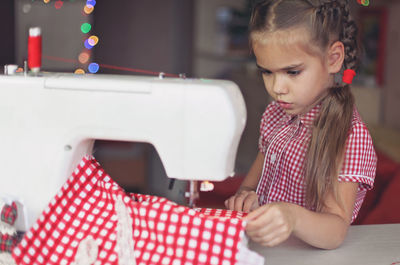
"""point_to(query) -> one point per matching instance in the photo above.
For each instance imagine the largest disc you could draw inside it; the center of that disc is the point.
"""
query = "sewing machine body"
(49, 122)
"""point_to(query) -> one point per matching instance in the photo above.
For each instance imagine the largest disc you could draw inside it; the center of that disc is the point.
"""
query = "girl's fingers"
(254, 215)
(261, 232)
(235, 203)
(273, 241)
(265, 238)
(255, 205)
(268, 224)
(243, 201)
(238, 202)
(231, 203)
(249, 202)
(269, 236)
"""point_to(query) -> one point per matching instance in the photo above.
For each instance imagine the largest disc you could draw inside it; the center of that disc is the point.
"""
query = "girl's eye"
(265, 72)
(294, 73)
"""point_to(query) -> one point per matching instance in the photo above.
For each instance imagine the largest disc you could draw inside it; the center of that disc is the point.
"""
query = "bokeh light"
(46, 1)
(79, 71)
(365, 3)
(83, 57)
(87, 44)
(93, 40)
(86, 27)
(91, 3)
(93, 68)
(58, 4)
(88, 9)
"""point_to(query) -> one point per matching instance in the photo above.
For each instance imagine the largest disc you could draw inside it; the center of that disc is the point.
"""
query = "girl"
(316, 159)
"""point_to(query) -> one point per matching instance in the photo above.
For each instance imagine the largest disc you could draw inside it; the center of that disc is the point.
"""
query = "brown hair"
(326, 22)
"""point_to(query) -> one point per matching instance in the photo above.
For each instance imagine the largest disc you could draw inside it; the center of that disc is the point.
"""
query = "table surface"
(364, 244)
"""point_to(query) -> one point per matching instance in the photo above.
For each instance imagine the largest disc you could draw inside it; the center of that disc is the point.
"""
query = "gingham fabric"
(92, 220)
(213, 213)
(221, 213)
(8, 242)
(8, 233)
(9, 213)
(284, 141)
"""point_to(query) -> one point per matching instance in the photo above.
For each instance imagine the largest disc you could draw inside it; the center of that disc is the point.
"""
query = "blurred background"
(203, 39)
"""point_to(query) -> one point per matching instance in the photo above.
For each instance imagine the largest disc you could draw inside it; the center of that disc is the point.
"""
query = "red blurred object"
(34, 48)
(222, 191)
(381, 204)
(348, 76)
(58, 4)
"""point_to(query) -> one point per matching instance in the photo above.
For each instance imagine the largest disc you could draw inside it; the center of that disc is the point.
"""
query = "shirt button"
(273, 158)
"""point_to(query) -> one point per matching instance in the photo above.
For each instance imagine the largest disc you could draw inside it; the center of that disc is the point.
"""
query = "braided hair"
(327, 22)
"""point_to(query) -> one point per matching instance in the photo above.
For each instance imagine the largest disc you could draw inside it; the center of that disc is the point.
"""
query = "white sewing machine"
(49, 122)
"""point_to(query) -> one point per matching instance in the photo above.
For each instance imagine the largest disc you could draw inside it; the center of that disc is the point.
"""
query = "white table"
(364, 245)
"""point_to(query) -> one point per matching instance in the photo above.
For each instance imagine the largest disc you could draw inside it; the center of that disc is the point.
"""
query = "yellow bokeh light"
(79, 71)
(93, 40)
(46, 1)
(83, 57)
(88, 9)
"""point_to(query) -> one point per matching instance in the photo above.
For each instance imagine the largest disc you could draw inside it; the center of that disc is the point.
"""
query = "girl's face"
(294, 78)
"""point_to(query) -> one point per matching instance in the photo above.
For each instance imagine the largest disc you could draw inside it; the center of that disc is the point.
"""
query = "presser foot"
(192, 194)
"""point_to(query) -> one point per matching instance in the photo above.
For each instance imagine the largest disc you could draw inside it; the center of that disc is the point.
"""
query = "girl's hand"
(244, 200)
(271, 224)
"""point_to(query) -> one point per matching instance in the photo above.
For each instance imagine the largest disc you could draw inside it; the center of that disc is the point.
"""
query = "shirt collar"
(307, 118)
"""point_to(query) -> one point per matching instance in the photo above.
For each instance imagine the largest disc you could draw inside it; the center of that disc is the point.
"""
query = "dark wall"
(7, 54)
(151, 35)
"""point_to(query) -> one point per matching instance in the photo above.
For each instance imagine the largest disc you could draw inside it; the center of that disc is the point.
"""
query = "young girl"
(316, 159)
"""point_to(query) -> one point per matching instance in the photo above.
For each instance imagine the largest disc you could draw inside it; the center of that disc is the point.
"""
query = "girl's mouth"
(285, 105)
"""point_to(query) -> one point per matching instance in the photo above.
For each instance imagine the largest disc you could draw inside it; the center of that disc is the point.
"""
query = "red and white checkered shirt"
(284, 141)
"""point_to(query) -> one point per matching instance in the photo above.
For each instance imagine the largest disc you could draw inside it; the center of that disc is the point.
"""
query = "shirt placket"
(275, 157)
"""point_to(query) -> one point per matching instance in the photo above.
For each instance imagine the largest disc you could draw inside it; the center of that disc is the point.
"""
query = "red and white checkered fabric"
(85, 218)
(8, 233)
(221, 213)
(284, 141)
(8, 212)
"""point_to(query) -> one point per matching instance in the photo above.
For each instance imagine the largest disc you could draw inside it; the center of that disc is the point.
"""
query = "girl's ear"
(335, 57)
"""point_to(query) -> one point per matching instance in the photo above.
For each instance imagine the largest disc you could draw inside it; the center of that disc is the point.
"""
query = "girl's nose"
(279, 85)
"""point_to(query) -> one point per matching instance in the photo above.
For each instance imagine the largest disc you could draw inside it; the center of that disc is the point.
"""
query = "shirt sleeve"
(360, 159)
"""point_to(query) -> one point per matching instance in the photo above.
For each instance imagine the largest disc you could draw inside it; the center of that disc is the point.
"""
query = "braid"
(334, 16)
(349, 38)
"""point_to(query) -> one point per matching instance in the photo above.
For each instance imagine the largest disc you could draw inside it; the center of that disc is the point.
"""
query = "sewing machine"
(49, 122)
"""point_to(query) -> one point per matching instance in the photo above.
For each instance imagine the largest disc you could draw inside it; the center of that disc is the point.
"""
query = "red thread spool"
(35, 49)
(348, 76)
